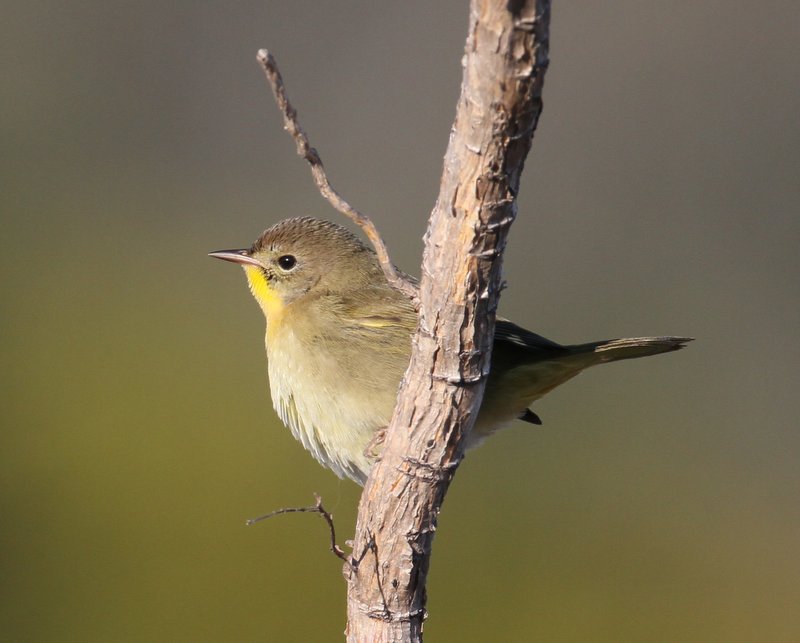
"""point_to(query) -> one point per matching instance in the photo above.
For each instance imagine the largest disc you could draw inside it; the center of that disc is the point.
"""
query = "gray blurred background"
(660, 501)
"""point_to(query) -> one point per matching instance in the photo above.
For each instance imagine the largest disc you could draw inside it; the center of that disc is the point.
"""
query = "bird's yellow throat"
(267, 298)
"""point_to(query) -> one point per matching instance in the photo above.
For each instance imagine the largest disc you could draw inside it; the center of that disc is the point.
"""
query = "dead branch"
(290, 123)
(315, 508)
(504, 66)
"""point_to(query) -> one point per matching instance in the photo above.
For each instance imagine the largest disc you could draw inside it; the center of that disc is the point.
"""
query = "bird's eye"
(287, 262)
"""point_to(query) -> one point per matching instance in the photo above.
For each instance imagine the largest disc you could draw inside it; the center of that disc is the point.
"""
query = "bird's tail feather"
(612, 350)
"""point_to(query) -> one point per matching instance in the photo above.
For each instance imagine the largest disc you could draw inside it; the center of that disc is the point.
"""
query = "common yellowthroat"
(339, 340)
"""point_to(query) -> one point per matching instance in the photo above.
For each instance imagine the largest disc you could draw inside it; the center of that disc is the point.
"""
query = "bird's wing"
(378, 308)
(518, 344)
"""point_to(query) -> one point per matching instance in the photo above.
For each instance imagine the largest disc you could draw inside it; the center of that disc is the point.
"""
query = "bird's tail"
(612, 350)
(526, 383)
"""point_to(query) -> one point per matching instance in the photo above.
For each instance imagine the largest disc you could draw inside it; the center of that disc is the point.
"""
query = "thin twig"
(385, 613)
(290, 123)
(316, 508)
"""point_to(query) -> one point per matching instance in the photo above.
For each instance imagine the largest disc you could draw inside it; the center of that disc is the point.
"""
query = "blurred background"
(660, 501)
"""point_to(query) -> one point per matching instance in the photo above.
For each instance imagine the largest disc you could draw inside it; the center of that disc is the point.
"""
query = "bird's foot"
(375, 445)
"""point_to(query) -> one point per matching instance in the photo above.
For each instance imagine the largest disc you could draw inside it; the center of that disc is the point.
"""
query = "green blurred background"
(661, 499)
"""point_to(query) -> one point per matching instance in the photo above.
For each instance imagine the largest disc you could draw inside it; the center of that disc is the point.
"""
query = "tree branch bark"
(504, 66)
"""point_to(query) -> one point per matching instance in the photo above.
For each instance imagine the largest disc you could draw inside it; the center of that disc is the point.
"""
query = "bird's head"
(296, 257)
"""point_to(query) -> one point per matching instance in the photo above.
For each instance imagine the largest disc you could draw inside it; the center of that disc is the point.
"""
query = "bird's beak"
(236, 256)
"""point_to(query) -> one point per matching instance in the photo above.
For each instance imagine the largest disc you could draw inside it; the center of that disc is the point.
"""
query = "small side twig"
(395, 278)
(315, 508)
(385, 613)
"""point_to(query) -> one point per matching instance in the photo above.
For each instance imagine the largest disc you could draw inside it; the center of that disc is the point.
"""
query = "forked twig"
(316, 508)
(290, 123)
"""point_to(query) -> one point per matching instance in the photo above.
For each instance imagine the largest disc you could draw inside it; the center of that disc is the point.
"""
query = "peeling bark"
(504, 66)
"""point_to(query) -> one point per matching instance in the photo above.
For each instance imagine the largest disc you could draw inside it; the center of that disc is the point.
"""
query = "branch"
(290, 123)
(315, 508)
(504, 66)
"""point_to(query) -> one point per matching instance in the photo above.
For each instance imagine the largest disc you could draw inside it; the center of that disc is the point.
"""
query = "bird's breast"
(322, 406)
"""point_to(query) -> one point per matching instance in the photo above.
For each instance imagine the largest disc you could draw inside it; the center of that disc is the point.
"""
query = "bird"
(338, 341)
